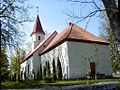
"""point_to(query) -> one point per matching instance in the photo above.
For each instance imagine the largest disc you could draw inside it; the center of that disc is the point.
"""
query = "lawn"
(40, 84)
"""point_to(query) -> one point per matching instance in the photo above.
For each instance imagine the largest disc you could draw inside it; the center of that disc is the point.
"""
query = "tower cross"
(37, 9)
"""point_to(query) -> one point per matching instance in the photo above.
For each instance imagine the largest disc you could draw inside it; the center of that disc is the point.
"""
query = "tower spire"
(37, 34)
(38, 27)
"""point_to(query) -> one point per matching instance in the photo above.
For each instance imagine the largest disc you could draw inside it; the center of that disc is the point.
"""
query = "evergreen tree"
(59, 70)
(54, 70)
(33, 74)
(38, 75)
(44, 71)
(48, 73)
(21, 74)
(40, 72)
(14, 77)
(4, 65)
(48, 69)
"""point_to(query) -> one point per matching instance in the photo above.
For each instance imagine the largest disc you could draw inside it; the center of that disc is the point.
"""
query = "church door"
(92, 67)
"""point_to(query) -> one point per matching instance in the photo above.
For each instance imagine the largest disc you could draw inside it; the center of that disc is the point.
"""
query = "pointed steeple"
(38, 27)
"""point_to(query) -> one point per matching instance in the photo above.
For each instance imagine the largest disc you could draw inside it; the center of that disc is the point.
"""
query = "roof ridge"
(36, 48)
(72, 33)
(45, 40)
(85, 31)
(96, 36)
(70, 26)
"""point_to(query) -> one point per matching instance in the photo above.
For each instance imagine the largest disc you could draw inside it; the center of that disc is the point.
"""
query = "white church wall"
(28, 67)
(35, 37)
(104, 63)
(22, 68)
(35, 40)
(32, 65)
(81, 54)
(36, 62)
(62, 52)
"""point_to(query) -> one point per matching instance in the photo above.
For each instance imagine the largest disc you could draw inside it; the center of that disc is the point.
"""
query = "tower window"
(39, 38)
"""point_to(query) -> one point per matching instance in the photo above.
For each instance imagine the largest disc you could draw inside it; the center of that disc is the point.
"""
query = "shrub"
(44, 72)
(54, 70)
(59, 70)
(38, 75)
(33, 74)
(40, 72)
(14, 77)
(47, 80)
(108, 77)
(48, 74)
(100, 76)
(21, 74)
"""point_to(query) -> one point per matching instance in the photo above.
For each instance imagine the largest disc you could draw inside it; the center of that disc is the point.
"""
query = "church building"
(78, 50)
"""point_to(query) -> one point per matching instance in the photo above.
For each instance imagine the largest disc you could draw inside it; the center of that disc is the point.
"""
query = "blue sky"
(52, 16)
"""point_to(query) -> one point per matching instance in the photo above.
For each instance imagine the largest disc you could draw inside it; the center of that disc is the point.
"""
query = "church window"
(39, 38)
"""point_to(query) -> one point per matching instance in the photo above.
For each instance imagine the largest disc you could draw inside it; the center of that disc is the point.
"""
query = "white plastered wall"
(24, 67)
(35, 40)
(75, 58)
(81, 54)
(34, 65)
(62, 52)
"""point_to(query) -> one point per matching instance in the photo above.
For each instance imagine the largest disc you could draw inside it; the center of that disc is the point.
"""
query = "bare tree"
(12, 14)
(107, 34)
(111, 9)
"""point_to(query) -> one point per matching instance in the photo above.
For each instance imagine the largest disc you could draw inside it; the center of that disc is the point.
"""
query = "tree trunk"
(112, 13)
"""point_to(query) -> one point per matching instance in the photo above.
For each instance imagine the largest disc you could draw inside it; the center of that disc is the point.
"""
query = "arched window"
(39, 37)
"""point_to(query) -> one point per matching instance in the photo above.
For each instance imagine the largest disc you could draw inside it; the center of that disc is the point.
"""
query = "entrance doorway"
(93, 68)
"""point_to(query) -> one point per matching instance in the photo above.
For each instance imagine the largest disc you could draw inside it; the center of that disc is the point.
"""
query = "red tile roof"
(73, 33)
(41, 46)
(38, 27)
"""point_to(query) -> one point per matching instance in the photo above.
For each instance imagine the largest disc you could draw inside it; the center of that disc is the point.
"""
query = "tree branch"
(80, 1)
(96, 5)
(72, 15)
(6, 7)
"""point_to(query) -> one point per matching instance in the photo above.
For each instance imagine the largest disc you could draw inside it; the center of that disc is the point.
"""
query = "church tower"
(37, 34)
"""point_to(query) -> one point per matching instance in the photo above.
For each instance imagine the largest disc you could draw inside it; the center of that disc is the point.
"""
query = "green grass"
(39, 84)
